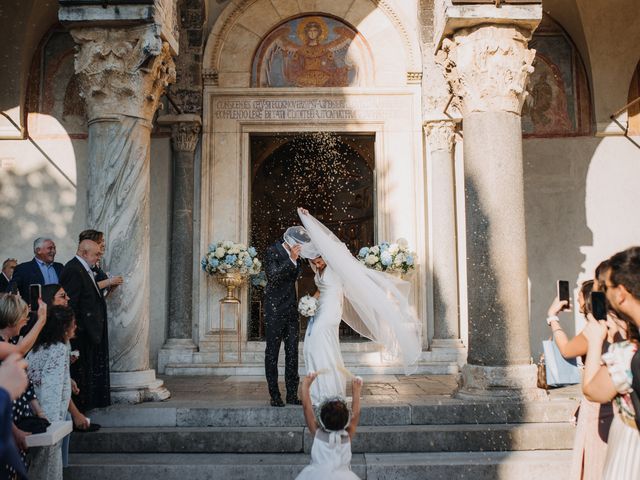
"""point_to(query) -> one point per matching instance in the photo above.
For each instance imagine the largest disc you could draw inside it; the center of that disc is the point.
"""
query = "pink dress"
(590, 442)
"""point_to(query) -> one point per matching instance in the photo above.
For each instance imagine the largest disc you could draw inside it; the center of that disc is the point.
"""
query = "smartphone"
(563, 293)
(599, 305)
(35, 292)
(14, 289)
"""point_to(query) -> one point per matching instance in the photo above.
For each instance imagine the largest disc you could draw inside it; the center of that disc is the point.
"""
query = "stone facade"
(446, 89)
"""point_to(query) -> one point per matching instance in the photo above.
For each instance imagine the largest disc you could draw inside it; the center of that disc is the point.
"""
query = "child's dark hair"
(334, 415)
(59, 319)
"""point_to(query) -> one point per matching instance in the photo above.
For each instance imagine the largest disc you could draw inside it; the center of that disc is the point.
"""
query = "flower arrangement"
(388, 257)
(229, 257)
(308, 306)
(259, 280)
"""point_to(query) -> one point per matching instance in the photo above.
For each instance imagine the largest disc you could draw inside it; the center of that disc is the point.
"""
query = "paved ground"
(378, 389)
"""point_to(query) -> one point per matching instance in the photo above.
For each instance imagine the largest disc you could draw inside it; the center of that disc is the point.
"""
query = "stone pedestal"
(122, 74)
(179, 347)
(440, 135)
(488, 67)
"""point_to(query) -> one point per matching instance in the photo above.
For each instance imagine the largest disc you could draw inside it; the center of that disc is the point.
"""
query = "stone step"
(550, 465)
(257, 368)
(362, 358)
(370, 439)
(435, 412)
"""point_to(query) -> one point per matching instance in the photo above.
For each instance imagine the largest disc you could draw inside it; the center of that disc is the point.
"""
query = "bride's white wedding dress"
(372, 303)
(322, 343)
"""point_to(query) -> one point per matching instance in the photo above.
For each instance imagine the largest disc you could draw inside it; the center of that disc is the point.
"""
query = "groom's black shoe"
(277, 402)
(294, 401)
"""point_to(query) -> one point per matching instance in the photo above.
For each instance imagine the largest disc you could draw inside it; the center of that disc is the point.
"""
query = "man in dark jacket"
(91, 371)
(8, 267)
(282, 267)
(41, 270)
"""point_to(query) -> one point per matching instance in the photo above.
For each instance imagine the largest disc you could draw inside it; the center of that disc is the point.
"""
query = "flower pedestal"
(231, 281)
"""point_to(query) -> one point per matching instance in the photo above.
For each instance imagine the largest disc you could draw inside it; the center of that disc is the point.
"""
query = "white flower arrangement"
(229, 257)
(388, 257)
(308, 306)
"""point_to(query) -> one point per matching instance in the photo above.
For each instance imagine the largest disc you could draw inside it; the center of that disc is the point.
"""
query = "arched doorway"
(331, 174)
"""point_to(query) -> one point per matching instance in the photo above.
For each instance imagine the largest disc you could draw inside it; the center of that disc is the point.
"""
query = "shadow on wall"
(555, 189)
(33, 204)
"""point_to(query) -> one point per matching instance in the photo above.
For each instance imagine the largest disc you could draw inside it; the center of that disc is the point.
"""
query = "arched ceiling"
(23, 24)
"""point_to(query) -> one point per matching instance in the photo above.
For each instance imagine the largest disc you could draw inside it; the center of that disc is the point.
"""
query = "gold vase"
(230, 280)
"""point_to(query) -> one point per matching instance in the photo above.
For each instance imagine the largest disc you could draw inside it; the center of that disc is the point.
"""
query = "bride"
(372, 303)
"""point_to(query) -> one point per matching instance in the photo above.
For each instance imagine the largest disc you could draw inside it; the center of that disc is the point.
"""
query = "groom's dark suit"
(281, 318)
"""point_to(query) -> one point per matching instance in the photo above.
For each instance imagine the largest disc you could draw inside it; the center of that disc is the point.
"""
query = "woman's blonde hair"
(12, 309)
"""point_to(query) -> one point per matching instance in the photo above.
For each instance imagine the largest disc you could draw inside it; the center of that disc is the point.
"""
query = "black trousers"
(278, 330)
(91, 373)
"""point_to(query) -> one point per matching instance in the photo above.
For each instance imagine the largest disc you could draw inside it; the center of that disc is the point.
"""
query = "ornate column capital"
(185, 130)
(184, 136)
(488, 67)
(122, 71)
(440, 134)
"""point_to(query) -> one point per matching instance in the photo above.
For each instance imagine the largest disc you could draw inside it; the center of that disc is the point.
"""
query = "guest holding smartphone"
(618, 380)
(49, 372)
(593, 419)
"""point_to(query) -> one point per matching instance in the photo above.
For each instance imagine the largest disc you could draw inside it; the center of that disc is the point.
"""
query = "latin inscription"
(377, 108)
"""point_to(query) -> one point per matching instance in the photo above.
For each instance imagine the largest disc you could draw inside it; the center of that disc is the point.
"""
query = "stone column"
(122, 73)
(185, 131)
(488, 67)
(440, 136)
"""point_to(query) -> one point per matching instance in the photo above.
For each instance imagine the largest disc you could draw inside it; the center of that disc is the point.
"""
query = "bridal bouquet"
(388, 257)
(308, 306)
(229, 257)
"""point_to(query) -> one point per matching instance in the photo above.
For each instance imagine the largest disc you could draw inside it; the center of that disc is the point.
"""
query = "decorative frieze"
(414, 77)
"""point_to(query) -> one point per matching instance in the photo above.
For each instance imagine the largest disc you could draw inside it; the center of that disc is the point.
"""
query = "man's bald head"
(89, 251)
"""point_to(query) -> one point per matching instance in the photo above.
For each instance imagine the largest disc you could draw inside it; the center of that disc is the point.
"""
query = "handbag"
(542, 374)
(559, 371)
(33, 424)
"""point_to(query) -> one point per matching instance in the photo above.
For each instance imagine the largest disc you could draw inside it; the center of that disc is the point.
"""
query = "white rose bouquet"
(308, 306)
(388, 257)
(230, 257)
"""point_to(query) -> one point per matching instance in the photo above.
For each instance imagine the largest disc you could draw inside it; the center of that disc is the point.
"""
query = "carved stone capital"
(440, 134)
(488, 67)
(122, 71)
(184, 136)
(185, 130)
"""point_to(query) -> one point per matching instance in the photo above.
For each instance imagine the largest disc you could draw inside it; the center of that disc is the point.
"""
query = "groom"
(282, 267)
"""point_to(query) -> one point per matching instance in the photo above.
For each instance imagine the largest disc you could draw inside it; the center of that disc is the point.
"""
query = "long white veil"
(376, 303)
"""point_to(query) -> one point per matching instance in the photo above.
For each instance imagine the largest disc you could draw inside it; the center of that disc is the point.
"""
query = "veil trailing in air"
(376, 304)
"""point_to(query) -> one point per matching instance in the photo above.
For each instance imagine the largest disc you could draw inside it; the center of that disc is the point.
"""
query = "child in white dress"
(333, 427)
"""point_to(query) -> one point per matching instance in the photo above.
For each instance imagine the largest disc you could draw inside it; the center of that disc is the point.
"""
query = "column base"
(451, 349)
(176, 350)
(446, 343)
(137, 387)
(516, 382)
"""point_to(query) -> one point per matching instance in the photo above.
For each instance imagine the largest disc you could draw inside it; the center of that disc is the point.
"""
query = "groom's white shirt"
(284, 245)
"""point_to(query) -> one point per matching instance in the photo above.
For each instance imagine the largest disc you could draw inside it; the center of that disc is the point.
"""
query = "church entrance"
(330, 174)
